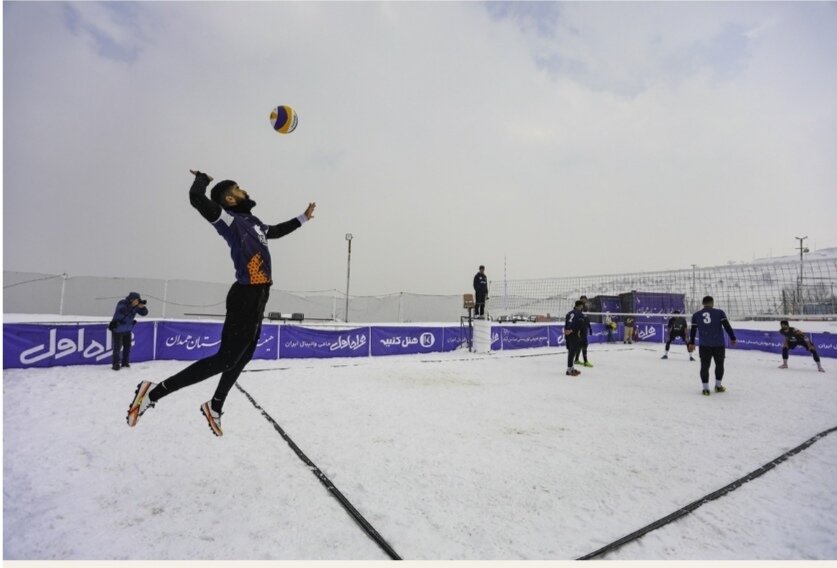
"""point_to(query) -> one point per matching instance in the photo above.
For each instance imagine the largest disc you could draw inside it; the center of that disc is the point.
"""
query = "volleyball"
(283, 119)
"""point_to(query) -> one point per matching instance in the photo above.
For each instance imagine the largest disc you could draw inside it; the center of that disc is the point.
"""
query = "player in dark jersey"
(230, 212)
(585, 329)
(677, 328)
(796, 338)
(711, 323)
(572, 336)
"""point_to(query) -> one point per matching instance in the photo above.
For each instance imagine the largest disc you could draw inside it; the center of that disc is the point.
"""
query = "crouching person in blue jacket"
(121, 325)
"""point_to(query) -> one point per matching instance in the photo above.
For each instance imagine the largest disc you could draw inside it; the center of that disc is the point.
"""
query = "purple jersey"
(247, 237)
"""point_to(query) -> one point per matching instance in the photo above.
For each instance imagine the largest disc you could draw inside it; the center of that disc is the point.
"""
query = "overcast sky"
(568, 138)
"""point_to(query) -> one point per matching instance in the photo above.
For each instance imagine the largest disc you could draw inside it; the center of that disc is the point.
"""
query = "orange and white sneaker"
(213, 418)
(141, 402)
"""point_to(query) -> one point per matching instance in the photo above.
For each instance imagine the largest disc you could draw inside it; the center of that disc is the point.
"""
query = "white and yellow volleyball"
(283, 119)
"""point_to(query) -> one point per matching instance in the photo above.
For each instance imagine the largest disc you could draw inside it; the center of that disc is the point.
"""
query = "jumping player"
(572, 336)
(229, 211)
(711, 323)
(677, 328)
(796, 338)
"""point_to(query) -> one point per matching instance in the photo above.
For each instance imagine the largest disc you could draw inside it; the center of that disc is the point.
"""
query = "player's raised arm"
(208, 209)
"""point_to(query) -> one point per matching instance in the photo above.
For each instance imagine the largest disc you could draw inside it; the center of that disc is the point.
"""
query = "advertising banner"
(826, 344)
(40, 345)
(556, 336)
(300, 342)
(770, 341)
(456, 337)
(190, 341)
(655, 332)
(523, 337)
(402, 340)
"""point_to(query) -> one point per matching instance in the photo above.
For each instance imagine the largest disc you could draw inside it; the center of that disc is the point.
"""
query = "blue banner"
(300, 342)
(402, 340)
(650, 332)
(770, 341)
(456, 337)
(190, 341)
(39, 345)
(523, 337)
(46, 345)
(826, 344)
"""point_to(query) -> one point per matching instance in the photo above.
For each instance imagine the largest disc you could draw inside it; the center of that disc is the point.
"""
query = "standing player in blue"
(572, 336)
(583, 331)
(229, 211)
(677, 328)
(796, 338)
(711, 323)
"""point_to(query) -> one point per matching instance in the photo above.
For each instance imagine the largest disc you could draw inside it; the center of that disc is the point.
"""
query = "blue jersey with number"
(574, 321)
(709, 326)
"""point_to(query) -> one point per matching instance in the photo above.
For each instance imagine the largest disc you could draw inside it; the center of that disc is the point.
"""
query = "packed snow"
(454, 456)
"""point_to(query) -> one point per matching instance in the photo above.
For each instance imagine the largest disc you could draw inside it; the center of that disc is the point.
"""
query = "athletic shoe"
(213, 418)
(783, 366)
(115, 367)
(664, 356)
(126, 365)
(141, 402)
(820, 369)
(705, 392)
(587, 364)
(691, 358)
(721, 388)
(573, 372)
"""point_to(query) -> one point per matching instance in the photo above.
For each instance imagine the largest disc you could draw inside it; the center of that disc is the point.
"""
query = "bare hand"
(690, 347)
(196, 172)
(732, 343)
(309, 213)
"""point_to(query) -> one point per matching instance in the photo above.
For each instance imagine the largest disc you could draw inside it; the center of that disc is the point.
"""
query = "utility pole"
(349, 238)
(802, 251)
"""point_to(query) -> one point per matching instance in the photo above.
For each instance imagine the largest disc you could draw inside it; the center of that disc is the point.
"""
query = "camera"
(143, 302)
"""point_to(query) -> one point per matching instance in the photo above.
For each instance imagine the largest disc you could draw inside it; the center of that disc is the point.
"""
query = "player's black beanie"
(217, 192)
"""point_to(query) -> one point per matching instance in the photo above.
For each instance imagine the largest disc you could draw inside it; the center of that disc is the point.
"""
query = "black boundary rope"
(354, 513)
(711, 497)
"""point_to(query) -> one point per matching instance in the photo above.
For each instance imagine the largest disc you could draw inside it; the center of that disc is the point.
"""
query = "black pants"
(121, 348)
(672, 337)
(239, 337)
(582, 349)
(573, 348)
(479, 305)
(707, 355)
(785, 351)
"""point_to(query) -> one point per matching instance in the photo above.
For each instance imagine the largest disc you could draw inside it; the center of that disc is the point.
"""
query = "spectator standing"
(121, 327)
(480, 292)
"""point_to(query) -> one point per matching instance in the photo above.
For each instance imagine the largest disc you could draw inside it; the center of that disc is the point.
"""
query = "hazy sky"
(569, 138)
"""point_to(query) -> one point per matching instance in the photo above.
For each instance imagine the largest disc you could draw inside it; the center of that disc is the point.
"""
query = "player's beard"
(244, 206)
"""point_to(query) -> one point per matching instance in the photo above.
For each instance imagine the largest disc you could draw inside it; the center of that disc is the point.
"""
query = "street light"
(802, 250)
(349, 238)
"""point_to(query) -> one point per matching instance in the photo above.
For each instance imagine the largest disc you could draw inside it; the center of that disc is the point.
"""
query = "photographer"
(121, 325)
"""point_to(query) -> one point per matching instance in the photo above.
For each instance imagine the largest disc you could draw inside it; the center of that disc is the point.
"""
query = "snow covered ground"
(451, 456)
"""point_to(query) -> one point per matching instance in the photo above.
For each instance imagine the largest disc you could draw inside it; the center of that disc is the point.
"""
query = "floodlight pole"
(694, 300)
(349, 238)
(802, 251)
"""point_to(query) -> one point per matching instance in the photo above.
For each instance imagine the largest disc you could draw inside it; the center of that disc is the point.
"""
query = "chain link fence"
(760, 290)
(33, 293)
